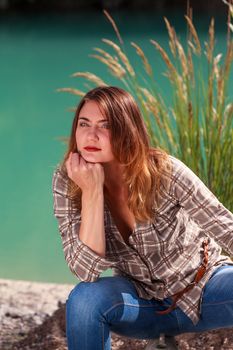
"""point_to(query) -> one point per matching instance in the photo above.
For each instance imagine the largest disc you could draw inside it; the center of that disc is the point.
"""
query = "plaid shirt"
(162, 257)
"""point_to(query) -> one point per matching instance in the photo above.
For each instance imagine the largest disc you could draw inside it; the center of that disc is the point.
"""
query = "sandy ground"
(32, 317)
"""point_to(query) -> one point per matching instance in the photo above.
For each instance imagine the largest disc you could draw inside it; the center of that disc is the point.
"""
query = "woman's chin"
(91, 158)
(95, 158)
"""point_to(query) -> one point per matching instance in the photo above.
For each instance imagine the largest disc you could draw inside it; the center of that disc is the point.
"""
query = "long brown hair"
(143, 165)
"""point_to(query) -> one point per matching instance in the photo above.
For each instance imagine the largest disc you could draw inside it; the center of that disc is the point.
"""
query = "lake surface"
(38, 55)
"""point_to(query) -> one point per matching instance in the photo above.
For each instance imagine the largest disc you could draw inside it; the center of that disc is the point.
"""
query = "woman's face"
(93, 134)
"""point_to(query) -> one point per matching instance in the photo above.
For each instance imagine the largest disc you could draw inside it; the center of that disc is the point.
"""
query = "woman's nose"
(92, 134)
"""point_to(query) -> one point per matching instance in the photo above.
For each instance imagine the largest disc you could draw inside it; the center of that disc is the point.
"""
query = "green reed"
(197, 125)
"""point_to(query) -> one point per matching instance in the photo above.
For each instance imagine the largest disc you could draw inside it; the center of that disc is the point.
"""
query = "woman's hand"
(88, 176)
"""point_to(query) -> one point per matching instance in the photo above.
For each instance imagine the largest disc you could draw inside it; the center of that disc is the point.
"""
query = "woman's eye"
(106, 126)
(83, 124)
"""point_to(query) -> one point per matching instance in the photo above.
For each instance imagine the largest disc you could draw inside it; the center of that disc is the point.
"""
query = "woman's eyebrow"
(99, 121)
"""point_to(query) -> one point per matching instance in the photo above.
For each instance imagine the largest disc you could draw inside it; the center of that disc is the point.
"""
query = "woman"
(123, 205)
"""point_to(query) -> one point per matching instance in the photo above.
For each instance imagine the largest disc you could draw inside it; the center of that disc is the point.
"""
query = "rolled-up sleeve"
(82, 260)
(202, 205)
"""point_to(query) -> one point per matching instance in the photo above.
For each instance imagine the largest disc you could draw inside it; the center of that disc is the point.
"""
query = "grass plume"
(197, 125)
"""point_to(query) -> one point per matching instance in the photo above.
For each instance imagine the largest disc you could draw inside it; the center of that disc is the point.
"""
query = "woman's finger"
(74, 161)
(82, 161)
(68, 169)
(68, 165)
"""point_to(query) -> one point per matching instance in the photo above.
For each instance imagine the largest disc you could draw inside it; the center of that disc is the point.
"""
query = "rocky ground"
(32, 317)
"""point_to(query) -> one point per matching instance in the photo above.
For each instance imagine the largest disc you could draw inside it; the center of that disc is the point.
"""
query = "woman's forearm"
(92, 231)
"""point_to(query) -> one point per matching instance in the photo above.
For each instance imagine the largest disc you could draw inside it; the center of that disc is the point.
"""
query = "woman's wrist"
(93, 194)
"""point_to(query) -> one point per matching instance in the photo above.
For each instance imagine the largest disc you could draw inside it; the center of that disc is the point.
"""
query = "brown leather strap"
(200, 273)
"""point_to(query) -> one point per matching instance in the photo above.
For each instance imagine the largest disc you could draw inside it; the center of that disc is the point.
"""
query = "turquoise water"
(38, 55)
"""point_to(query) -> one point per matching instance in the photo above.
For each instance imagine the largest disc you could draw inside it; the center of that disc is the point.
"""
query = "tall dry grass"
(197, 125)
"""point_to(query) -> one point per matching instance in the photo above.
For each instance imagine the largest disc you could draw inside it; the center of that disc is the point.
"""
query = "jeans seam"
(178, 321)
(125, 304)
(102, 335)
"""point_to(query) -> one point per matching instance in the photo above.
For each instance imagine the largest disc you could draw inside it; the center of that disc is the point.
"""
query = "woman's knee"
(82, 298)
(220, 286)
(87, 297)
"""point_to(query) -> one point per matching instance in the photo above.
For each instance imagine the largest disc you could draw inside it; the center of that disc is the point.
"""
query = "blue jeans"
(94, 309)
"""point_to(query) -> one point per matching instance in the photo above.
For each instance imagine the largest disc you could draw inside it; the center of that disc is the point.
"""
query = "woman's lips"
(92, 149)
